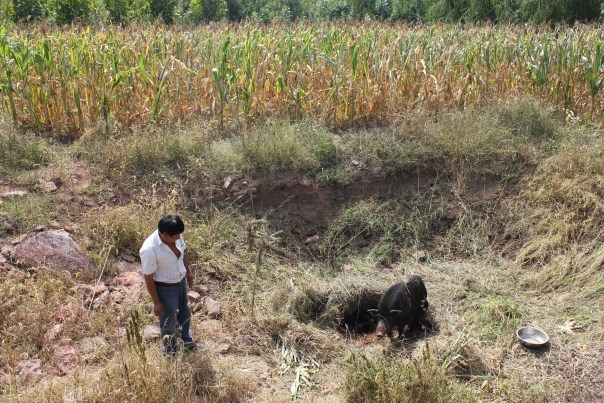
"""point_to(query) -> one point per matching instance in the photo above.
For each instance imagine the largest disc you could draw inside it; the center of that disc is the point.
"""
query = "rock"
(213, 307)
(13, 193)
(55, 249)
(201, 289)
(6, 250)
(223, 348)
(71, 228)
(227, 182)
(419, 256)
(30, 371)
(92, 348)
(197, 307)
(68, 312)
(311, 239)
(53, 333)
(128, 258)
(100, 300)
(2, 260)
(65, 358)
(123, 267)
(193, 296)
(151, 333)
(39, 228)
(47, 186)
(128, 279)
(92, 290)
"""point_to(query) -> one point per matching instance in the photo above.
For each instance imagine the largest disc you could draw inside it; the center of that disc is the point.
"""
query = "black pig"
(402, 305)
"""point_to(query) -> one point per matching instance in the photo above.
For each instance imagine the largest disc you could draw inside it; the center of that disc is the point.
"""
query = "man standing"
(165, 269)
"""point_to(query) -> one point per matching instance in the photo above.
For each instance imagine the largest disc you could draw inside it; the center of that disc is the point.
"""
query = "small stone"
(151, 333)
(71, 228)
(213, 307)
(197, 307)
(193, 296)
(223, 348)
(128, 258)
(227, 182)
(5, 250)
(13, 193)
(53, 333)
(48, 186)
(419, 256)
(311, 239)
(201, 289)
(65, 358)
(30, 371)
(39, 228)
(127, 279)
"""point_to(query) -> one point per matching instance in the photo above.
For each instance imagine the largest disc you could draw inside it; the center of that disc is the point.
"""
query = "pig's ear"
(373, 312)
(395, 311)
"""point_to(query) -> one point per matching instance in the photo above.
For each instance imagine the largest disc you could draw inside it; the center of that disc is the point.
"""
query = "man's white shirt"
(158, 259)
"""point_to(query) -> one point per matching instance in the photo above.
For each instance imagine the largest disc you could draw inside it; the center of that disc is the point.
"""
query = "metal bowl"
(532, 337)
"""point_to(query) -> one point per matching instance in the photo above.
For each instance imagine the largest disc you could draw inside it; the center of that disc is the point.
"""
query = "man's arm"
(158, 307)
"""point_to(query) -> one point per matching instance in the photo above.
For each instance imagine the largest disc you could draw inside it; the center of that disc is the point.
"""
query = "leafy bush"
(68, 11)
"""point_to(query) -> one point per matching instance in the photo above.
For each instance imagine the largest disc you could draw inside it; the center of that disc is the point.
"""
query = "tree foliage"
(203, 11)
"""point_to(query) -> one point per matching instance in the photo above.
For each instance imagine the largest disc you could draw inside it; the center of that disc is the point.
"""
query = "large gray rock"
(55, 249)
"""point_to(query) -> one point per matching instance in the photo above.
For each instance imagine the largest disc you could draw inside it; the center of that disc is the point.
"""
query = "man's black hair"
(171, 224)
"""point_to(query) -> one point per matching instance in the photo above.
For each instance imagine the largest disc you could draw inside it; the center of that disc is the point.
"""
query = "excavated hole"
(343, 309)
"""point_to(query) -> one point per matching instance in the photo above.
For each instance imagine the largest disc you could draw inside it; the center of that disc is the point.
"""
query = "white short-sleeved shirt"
(158, 259)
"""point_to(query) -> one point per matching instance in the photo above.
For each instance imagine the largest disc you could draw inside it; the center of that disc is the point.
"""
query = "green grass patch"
(498, 317)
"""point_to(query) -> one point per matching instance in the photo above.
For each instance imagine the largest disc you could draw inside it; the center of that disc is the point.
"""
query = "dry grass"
(521, 246)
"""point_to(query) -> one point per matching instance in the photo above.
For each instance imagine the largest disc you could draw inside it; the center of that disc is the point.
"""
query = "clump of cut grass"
(390, 379)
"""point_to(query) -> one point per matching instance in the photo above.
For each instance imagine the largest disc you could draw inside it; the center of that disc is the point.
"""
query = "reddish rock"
(55, 249)
(30, 371)
(201, 289)
(92, 290)
(213, 307)
(65, 358)
(128, 279)
(53, 333)
(68, 312)
(311, 239)
(193, 296)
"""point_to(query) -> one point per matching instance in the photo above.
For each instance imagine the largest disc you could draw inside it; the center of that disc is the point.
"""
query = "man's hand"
(158, 309)
(189, 277)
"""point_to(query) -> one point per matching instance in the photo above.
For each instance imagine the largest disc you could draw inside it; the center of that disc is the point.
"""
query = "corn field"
(65, 80)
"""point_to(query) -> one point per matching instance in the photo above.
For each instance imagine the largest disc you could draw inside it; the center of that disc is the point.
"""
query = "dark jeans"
(176, 308)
